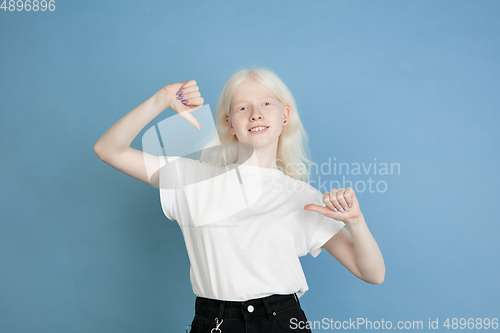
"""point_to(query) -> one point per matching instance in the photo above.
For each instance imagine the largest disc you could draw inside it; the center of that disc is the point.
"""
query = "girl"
(244, 242)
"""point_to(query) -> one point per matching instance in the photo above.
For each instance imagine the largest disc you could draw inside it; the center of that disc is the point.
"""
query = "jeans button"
(250, 308)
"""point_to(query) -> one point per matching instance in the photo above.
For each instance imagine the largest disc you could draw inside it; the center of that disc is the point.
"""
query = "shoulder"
(186, 162)
(301, 188)
(188, 169)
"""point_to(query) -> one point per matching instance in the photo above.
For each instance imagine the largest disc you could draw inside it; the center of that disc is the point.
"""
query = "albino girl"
(245, 269)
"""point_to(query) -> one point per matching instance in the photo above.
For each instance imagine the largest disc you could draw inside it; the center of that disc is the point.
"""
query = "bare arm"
(113, 147)
(119, 136)
(358, 251)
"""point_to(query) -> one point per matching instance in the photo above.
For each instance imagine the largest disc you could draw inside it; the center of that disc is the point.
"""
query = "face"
(254, 105)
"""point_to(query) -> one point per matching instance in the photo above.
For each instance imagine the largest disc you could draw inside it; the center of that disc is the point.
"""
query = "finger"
(197, 101)
(189, 83)
(184, 86)
(189, 117)
(341, 199)
(348, 195)
(191, 95)
(334, 201)
(327, 202)
(183, 91)
(190, 89)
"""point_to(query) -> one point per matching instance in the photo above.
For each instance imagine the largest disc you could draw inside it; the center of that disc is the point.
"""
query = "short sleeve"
(169, 189)
(319, 228)
(175, 174)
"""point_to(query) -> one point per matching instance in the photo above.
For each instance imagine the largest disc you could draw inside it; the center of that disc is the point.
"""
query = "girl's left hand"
(341, 205)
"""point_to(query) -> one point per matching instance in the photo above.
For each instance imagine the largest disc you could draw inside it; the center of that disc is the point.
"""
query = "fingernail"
(335, 209)
(349, 205)
(180, 97)
(184, 101)
(346, 209)
(179, 93)
(181, 88)
(341, 210)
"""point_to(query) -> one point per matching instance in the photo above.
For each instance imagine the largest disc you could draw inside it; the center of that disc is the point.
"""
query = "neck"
(264, 157)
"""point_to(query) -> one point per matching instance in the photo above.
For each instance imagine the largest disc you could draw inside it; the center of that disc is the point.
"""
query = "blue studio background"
(85, 248)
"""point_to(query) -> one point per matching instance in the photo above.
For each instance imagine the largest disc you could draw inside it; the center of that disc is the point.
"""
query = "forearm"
(119, 136)
(368, 256)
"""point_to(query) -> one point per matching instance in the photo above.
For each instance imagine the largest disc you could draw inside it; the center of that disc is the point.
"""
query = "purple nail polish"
(335, 209)
(349, 205)
(181, 88)
(346, 209)
(184, 101)
(180, 97)
(179, 93)
(341, 210)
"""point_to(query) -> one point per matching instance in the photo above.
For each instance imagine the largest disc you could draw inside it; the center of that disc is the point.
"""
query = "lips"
(258, 126)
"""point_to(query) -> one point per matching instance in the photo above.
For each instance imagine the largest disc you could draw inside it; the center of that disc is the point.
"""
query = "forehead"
(250, 90)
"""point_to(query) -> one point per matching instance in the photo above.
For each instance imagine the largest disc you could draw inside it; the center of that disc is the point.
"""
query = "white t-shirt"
(245, 227)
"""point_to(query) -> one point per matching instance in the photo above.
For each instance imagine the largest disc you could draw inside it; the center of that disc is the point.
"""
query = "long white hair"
(292, 149)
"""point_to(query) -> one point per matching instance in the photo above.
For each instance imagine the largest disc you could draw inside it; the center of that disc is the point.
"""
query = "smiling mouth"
(258, 129)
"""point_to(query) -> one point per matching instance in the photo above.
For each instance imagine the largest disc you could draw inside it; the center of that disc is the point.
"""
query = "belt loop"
(221, 309)
(297, 299)
(268, 309)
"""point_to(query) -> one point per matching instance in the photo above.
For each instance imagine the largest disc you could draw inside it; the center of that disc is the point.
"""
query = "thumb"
(189, 117)
(317, 209)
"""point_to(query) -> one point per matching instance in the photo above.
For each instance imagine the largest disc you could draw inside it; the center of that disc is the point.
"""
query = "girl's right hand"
(184, 97)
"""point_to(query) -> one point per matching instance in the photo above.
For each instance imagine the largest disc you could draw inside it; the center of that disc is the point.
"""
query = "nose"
(255, 114)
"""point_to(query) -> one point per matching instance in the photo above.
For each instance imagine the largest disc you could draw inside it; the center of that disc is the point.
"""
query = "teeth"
(257, 129)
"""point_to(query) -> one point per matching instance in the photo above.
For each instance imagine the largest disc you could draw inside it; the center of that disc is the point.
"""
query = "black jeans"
(275, 313)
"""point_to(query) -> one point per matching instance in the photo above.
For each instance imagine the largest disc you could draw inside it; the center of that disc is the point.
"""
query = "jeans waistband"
(245, 309)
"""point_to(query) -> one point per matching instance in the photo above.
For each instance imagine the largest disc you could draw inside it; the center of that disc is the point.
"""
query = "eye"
(267, 103)
(241, 108)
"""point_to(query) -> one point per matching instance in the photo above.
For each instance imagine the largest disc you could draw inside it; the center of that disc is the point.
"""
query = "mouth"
(258, 129)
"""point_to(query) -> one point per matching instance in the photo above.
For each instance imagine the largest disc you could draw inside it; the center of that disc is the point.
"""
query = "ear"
(287, 114)
(229, 125)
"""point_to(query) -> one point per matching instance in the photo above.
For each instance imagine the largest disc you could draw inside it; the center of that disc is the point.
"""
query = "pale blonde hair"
(292, 149)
